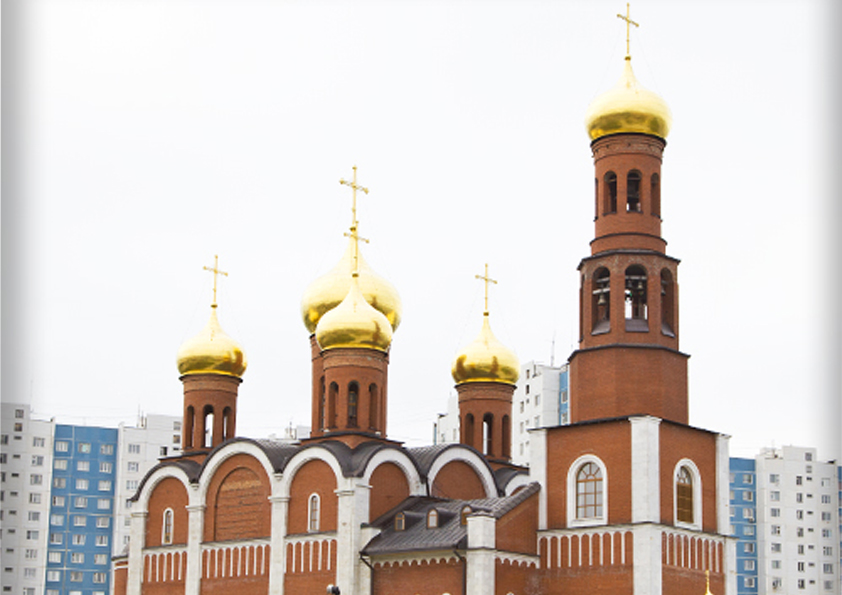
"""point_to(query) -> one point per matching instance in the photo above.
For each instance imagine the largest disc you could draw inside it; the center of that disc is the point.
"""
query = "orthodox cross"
(354, 186)
(707, 582)
(215, 270)
(487, 280)
(356, 239)
(629, 22)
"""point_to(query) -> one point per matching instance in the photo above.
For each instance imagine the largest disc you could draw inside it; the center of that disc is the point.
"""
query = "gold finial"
(707, 583)
(629, 22)
(354, 186)
(215, 270)
(487, 280)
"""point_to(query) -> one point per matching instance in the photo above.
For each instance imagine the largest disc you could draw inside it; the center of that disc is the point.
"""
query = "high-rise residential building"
(139, 449)
(541, 399)
(785, 515)
(81, 510)
(25, 461)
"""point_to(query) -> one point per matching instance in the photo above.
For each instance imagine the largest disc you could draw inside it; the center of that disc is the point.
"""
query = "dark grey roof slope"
(450, 533)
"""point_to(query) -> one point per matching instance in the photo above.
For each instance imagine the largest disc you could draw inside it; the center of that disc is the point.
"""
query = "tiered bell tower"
(628, 361)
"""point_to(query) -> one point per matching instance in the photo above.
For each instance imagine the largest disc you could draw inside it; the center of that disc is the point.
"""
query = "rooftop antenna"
(552, 352)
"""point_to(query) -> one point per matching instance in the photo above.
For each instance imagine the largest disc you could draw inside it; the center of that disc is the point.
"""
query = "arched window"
(322, 403)
(601, 302)
(684, 496)
(656, 195)
(633, 203)
(463, 516)
(432, 519)
(687, 494)
(227, 426)
(596, 199)
(507, 437)
(314, 513)
(667, 303)
(208, 425)
(189, 420)
(488, 434)
(333, 390)
(468, 429)
(589, 493)
(609, 192)
(353, 403)
(636, 310)
(373, 406)
(167, 527)
(400, 522)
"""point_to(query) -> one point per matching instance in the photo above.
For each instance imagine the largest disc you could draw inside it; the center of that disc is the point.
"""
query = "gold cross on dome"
(354, 186)
(215, 270)
(487, 281)
(356, 239)
(629, 22)
(707, 583)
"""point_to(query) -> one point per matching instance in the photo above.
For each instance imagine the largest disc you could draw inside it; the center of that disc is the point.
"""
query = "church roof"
(450, 532)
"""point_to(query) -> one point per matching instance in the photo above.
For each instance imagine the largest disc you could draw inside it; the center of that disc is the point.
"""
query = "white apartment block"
(139, 449)
(541, 399)
(26, 447)
(798, 523)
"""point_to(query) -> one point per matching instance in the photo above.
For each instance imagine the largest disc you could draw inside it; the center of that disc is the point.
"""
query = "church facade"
(628, 498)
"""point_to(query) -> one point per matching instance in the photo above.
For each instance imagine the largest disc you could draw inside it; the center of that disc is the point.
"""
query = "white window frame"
(164, 539)
(318, 508)
(697, 495)
(572, 472)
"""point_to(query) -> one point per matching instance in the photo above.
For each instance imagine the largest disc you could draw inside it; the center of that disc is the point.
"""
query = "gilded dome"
(354, 323)
(628, 107)
(327, 291)
(486, 360)
(212, 352)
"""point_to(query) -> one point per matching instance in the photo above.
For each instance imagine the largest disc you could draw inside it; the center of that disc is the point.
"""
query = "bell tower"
(628, 361)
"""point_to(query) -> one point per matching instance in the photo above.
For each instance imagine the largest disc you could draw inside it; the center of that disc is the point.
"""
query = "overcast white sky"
(140, 138)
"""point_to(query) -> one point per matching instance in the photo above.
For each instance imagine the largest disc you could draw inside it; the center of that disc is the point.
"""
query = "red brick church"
(627, 499)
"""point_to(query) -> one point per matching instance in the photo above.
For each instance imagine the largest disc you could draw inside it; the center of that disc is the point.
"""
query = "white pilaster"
(367, 533)
(647, 560)
(136, 542)
(730, 569)
(538, 471)
(482, 529)
(278, 558)
(195, 528)
(723, 480)
(353, 511)
(645, 469)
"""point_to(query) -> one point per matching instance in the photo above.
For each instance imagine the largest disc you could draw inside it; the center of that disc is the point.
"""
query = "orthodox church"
(628, 498)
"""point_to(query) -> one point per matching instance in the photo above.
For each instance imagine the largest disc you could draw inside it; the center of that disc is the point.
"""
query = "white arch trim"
(303, 457)
(697, 495)
(572, 521)
(518, 481)
(477, 463)
(404, 463)
(223, 454)
(157, 477)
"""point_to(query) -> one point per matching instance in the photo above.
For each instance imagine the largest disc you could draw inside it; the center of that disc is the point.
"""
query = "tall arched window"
(601, 302)
(314, 513)
(667, 303)
(189, 421)
(488, 434)
(633, 202)
(322, 403)
(609, 192)
(227, 425)
(373, 406)
(589, 492)
(636, 309)
(208, 424)
(332, 392)
(353, 403)
(167, 527)
(468, 429)
(684, 496)
(596, 199)
(656, 195)
(507, 437)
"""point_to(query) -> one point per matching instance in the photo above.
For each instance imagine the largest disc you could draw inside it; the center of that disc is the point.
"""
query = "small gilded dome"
(628, 107)
(354, 323)
(486, 360)
(212, 352)
(327, 291)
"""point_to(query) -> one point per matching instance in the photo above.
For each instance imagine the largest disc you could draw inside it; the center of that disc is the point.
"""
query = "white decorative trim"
(303, 457)
(226, 452)
(403, 462)
(315, 543)
(723, 470)
(611, 558)
(460, 453)
(157, 477)
(572, 521)
(518, 559)
(164, 541)
(645, 469)
(314, 496)
(518, 481)
(410, 558)
(538, 471)
(697, 495)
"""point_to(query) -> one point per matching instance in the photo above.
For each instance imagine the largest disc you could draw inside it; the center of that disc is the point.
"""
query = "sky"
(141, 138)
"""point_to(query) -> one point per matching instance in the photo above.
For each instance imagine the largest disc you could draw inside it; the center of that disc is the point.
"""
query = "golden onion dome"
(354, 323)
(212, 352)
(628, 107)
(326, 292)
(486, 360)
